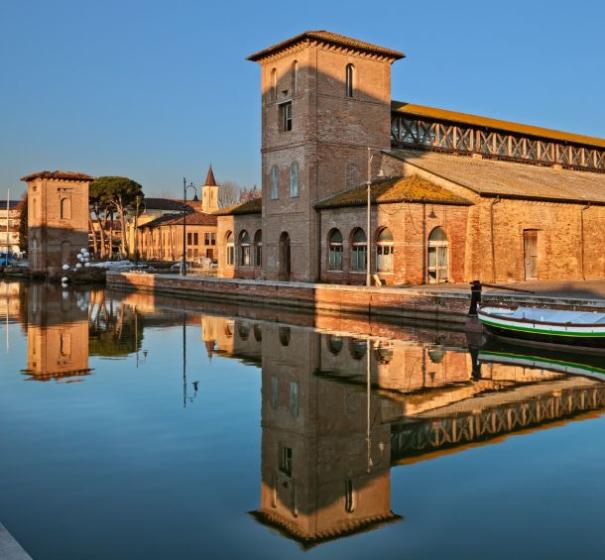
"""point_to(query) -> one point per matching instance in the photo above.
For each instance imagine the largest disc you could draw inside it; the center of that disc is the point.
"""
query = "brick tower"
(57, 219)
(326, 98)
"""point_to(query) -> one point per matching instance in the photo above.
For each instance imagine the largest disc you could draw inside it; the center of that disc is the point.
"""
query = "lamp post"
(184, 256)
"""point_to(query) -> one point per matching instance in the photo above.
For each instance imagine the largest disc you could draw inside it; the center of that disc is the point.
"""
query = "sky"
(157, 90)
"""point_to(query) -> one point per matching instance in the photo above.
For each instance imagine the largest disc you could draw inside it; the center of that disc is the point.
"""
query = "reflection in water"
(338, 411)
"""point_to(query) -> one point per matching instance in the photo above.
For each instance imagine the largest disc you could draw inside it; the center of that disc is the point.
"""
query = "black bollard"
(475, 297)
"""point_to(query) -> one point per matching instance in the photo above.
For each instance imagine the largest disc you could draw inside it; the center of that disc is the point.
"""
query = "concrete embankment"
(10, 548)
(444, 304)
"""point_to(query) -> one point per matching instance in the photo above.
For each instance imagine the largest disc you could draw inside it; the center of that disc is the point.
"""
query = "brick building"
(10, 217)
(454, 197)
(57, 219)
(160, 229)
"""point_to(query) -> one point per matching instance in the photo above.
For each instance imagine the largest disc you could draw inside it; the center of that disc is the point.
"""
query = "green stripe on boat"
(507, 327)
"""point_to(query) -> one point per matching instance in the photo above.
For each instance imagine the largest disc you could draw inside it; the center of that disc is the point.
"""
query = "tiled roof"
(12, 205)
(476, 120)
(62, 175)
(330, 38)
(168, 204)
(394, 189)
(254, 206)
(193, 219)
(490, 177)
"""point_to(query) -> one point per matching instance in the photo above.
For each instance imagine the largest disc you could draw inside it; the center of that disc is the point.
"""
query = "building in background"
(454, 197)
(10, 219)
(58, 217)
(160, 227)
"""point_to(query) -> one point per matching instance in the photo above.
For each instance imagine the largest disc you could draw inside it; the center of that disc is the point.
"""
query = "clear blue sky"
(156, 90)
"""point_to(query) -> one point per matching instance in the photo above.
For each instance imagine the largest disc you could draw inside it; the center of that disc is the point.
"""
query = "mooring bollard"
(475, 297)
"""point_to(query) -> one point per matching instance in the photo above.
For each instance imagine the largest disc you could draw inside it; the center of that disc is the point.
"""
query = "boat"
(545, 327)
(568, 363)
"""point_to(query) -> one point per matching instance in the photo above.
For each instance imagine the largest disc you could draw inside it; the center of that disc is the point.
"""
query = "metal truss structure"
(427, 134)
(415, 438)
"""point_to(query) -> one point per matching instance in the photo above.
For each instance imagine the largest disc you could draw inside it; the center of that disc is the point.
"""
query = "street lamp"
(369, 220)
(184, 256)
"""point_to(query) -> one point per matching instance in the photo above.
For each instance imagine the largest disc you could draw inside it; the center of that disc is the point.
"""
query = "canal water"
(135, 427)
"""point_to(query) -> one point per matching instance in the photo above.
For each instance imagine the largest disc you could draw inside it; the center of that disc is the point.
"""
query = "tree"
(228, 194)
(249, 193)
(108, 196)
(23, 224)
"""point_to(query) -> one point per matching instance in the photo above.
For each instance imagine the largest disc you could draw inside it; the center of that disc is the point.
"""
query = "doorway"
(284, 256)
(530, 249)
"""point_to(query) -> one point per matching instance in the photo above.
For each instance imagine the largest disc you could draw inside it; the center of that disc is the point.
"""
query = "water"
(131, 427)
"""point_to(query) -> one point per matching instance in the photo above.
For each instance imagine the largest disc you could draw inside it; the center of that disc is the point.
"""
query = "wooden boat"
(567, 363)
(545, 327)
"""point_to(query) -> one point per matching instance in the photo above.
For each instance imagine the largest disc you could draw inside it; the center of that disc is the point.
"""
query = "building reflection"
(57, 332)
(338, 412)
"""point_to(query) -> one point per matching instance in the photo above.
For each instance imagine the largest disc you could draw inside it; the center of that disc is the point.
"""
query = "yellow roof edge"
(488, 122)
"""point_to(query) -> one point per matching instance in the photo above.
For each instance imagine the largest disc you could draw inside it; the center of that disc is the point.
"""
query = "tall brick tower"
(57, 219)
(326, 98)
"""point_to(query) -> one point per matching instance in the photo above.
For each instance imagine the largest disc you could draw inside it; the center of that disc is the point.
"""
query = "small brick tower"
(57, 219)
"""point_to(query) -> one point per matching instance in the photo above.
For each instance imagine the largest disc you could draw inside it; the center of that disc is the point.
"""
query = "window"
(274, 391)
(357, 348)
(273, 84)
(244, 248)
(285, 116)
(349, 78)
(209, 238)
(335, 250)
(359, 250)
(285, 460)
(294, 76)
(65, 343)
(243, 330)
(438, 256)
(293, 399)
(230, 249)
(284, 336)
(334, 344)
(352, 178)
(384, 354)
(274, 180)
(294, 179)
(258, 248)
(65, 209)
(349, 497)
(258, 333)
(384, 251)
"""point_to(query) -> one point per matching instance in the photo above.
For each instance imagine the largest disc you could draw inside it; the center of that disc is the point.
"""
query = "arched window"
(384, 354)
(274, 180)
(230, 248)
(335, 250)
(294, 76)
(384, 251)
(294, 179)
(243, 330)
(274, 84)
(351, 176)
(244, 248)
(438, 256)
(65, 209)
(258, 248)
(359, 250)
(334, 344)
(357, 348)
(349, 496)
(258, 333)
(284, 335)
(35, 208)
(349, 80)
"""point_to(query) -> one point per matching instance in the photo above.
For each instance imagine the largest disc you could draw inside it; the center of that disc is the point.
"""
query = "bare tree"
(228, 194)
(249, 193)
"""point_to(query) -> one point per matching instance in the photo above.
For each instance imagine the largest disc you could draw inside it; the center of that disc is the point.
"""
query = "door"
(284, 256)
(530, 244)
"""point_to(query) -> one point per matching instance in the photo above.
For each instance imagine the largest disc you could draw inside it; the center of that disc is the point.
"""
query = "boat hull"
(545, 335)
